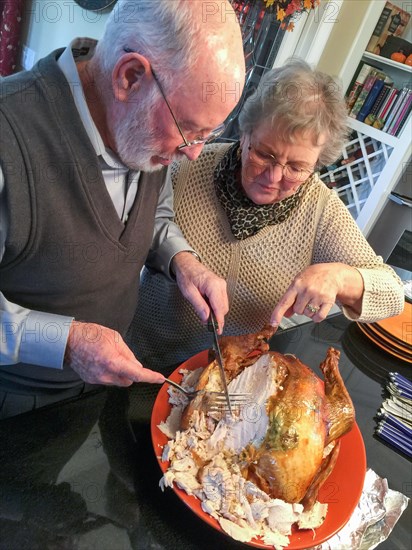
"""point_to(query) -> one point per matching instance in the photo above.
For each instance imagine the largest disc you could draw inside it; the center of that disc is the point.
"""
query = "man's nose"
(193, 152)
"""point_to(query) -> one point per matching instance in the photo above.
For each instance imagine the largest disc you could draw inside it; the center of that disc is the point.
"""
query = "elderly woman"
(259, 216)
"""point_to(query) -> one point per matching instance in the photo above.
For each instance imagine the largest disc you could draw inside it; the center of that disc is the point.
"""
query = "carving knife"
(212, 325)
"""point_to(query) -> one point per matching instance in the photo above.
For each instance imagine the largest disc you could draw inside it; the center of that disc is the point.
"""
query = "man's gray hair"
(163, 31)
(295, 99)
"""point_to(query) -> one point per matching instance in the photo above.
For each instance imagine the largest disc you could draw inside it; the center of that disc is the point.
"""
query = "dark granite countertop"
(83, 474)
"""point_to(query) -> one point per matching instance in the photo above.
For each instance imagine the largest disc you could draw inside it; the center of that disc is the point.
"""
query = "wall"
(53, 24)
(344, 32)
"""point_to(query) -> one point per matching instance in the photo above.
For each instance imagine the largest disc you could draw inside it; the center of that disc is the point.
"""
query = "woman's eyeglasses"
(289, 171)
(217, 132)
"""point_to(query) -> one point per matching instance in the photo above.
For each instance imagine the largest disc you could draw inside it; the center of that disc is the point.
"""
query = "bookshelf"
(365, 183)
(378, 59)
(377, 135)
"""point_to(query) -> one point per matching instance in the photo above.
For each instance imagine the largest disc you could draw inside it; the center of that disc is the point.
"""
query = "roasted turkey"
(287, 437)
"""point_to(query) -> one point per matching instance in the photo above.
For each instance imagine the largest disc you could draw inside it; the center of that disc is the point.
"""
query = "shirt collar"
(82, 49)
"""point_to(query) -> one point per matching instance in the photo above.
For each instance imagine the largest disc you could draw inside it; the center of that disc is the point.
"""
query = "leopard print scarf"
(245, 217)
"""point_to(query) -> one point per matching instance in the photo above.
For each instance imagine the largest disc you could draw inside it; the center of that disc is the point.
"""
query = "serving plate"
(341, 491)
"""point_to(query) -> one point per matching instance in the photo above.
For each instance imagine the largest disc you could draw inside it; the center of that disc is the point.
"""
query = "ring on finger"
(312, 308)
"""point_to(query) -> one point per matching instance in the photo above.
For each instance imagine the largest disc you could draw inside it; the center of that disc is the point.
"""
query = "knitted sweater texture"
(258, 270)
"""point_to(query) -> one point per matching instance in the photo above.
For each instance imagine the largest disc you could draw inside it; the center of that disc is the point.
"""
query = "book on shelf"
(380, 100)
(403, 113)
(404, 122)
(374, 75)
(370, 99)
(385, 109)
(395, 109)
(356, 87)
(393, 22)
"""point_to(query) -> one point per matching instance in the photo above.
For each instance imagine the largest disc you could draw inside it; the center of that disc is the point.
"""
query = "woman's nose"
(274, 172)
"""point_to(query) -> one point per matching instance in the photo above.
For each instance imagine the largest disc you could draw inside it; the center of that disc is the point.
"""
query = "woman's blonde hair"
(296, 99)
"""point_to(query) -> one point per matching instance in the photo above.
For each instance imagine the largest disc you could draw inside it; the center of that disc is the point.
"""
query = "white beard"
(136, 137)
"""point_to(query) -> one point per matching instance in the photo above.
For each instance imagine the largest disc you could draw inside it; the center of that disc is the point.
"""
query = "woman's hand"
(99, 355)
(314, 291)
(196, 281)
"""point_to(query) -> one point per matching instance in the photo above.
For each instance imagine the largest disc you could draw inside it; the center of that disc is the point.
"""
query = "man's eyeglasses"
(289, 171)
(186, 143)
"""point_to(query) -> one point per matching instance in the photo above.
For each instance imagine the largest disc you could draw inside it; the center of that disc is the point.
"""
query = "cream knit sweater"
(258, 270)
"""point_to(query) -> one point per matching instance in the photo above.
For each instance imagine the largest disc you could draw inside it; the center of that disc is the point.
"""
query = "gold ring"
(312, 309)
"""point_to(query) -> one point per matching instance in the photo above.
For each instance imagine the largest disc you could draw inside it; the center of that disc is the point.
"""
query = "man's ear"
(128, 75)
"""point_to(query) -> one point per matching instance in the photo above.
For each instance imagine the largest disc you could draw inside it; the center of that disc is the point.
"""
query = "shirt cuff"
(167, 251)
(44, 339)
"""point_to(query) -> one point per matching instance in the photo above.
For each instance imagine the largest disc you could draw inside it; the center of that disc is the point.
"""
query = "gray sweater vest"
(67, 251)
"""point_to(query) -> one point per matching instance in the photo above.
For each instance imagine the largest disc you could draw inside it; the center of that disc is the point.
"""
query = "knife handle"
(212, 323)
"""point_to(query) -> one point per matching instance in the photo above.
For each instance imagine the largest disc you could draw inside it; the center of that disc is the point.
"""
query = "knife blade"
(212, 325)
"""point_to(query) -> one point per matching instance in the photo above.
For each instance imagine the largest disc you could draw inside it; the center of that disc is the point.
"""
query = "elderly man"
(84, 139)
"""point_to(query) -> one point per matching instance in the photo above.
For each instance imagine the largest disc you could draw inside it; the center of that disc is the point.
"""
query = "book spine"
(393, 94)
(373, 113)
(357, 87)
(385, 109)
(380, 101)
(394, 110)
(387, 100)
(403, 112)
(369, 82)
(404, 122)
(370, 100)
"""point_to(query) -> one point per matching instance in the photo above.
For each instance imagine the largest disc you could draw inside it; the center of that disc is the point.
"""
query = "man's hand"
(196, 281)
(99, 355)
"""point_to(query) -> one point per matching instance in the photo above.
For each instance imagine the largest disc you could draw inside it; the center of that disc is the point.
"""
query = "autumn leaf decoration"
(286, 8)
